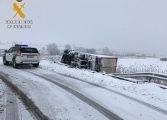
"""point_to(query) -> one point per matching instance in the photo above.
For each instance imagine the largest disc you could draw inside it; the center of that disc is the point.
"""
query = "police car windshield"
(29, 50)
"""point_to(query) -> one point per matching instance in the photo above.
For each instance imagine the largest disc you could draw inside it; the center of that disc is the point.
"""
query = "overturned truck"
(99, 63)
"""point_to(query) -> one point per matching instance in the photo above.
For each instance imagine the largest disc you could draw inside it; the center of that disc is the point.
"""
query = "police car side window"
(10, 50)
(14, 49)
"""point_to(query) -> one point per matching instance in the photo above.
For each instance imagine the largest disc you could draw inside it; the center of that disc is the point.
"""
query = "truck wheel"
(5, 62)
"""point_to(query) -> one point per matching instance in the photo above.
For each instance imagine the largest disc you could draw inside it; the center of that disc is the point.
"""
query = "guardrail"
(150, 77)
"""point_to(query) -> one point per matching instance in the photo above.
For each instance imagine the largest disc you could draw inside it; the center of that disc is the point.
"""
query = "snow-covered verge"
(54, 58)
(148, 92)
(133, 65)
(2, 100)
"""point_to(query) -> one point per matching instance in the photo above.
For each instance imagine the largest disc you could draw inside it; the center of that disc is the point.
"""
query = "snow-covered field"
(133, 65)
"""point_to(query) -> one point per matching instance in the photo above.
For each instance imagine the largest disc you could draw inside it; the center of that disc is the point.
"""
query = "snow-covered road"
(108, 98)
(149, 92)
(52, 100)
(11, 108)
(64, 97)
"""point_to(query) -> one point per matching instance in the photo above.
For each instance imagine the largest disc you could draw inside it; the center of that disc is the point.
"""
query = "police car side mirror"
(6, 51)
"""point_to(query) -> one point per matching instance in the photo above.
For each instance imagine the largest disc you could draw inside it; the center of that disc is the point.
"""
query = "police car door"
(9, 55)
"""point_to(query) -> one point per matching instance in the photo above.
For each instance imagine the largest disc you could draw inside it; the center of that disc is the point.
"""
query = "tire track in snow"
(31, 107)
(107, 113)
(118, 93)
(113, 91)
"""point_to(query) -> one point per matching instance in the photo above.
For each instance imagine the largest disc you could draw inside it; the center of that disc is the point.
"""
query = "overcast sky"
(122, 25)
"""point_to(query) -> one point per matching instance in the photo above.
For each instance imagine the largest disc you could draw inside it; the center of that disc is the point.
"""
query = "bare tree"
(43, 51)
(106, 51)
(80, 49)
(86, 50)
(91, 51)
(53, 49)
(68, 47)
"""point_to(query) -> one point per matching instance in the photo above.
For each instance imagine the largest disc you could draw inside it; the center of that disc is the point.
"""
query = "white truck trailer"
(102, 63)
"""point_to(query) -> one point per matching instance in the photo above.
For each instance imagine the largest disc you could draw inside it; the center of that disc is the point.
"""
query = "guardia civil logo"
(19, 20)
(18, 7)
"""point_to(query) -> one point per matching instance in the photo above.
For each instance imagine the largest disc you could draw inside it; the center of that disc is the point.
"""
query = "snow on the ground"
(66, 106)
(23, 114)
(125, 108)
(133, 65)
(52, 100)
(120, 105)
(148, 92)
(2, 100)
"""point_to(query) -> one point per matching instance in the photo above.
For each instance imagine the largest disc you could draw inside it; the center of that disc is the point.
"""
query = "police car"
(21, 55)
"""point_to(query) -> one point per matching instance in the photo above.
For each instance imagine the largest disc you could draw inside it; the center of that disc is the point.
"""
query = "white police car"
(21, 55)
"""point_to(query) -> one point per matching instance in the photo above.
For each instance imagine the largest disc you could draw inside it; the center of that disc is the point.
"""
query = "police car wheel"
(15, 65)
(4, 61)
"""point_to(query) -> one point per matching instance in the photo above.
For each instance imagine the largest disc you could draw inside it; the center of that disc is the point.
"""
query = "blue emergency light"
(21, 46)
